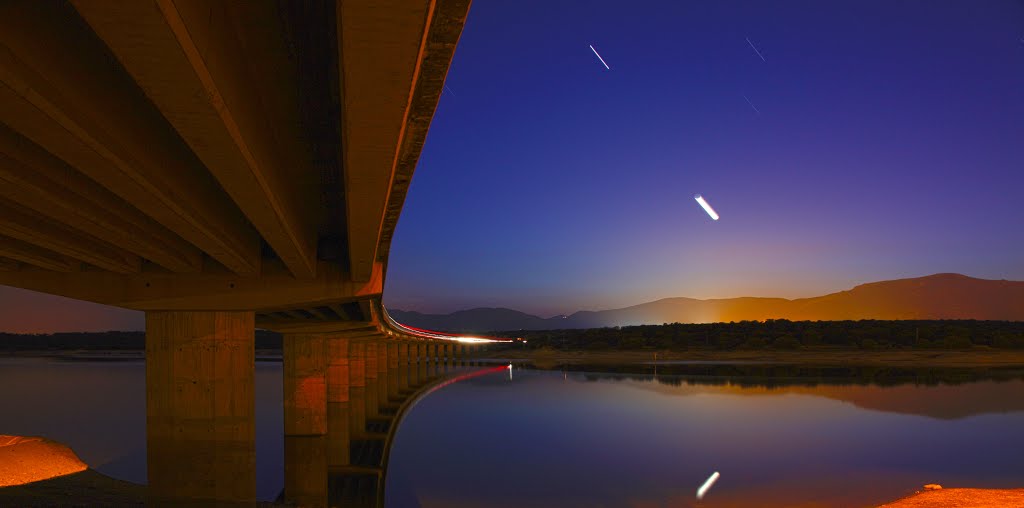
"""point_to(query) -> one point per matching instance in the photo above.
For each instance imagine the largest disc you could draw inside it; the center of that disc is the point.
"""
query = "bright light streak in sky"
(707, 485)
(599, 57)
(706, 206)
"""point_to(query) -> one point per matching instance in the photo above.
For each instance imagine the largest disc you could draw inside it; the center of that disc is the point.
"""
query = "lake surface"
(779, 436)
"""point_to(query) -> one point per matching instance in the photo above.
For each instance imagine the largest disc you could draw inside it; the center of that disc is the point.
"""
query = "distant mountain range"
(940, 296)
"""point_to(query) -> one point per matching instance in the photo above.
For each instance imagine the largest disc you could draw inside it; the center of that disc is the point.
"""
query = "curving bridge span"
(224, 165)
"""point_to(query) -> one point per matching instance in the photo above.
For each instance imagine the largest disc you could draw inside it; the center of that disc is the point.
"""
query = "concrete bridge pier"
(394, 385)
(357, 387)
(338, 434)
(403, 366)
(432, 370)
(305, 419)
(372, 379)
(421, 362)
(200, 406)
(305, 471)
(446, 354)
(305, 384)
(383, 381)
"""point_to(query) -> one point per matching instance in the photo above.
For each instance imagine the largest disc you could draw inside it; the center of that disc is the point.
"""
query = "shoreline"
(92, 488)
(823, 357)
(963, 359)
(960, 497)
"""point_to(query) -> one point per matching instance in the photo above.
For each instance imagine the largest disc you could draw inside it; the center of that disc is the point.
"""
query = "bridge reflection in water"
(344, 399)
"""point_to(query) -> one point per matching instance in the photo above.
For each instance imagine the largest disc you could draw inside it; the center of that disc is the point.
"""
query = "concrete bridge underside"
(224, 165)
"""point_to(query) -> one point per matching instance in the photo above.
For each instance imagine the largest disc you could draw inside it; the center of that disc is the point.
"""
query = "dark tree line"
(778, 334)
(101, 341)
(782, 334)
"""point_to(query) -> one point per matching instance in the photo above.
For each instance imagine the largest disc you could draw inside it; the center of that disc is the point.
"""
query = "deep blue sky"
(889, 143)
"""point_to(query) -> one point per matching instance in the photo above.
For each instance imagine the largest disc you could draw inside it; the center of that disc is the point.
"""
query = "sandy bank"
(962, 498)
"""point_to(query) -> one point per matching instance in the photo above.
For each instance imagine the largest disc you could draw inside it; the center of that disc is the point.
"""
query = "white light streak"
(437, 335)
(599, 57)
(755, 50)
(752, 105)
(707, 485)
(510, 372)
(706, 206)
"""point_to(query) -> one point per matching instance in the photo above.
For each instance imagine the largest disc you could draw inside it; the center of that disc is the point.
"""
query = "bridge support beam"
(371, 379)
(305, 385)
(338, 434)
(200, 406)
(382, 375)
(421, 362)
(394, 383)
(431, 360)
(403, 366)
(357, 387)
(305, 471)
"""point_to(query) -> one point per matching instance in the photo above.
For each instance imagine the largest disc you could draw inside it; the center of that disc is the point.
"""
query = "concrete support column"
(394, 385)
(305, 471)
(431, 359)
(357, 388)
(421, 362)
(403, 367)
(305, 419)
(305, 385)
(200, 406)
(338, 434)
(371, 379)
(449, 356)
(382, 374)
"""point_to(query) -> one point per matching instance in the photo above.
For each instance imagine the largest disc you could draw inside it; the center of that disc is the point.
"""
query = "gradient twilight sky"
(889, 143)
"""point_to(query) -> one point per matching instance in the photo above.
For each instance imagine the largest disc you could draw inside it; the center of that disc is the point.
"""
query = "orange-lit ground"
(31, 459)
(962, 498)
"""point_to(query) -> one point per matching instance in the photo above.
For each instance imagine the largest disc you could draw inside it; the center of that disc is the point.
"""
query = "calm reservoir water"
(779, 436)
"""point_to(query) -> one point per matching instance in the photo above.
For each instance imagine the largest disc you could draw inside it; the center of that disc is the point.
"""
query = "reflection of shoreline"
(963, 393)
(769, 375)
(907, 358)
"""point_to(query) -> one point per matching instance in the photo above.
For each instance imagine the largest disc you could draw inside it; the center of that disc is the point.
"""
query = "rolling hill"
(939, 296)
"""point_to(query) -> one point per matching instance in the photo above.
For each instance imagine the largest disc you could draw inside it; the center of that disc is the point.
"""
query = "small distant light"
(707, 485)
(707, 208)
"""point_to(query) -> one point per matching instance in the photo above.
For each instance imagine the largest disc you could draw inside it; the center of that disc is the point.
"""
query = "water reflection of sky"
(545, 441)
(541, 440)
(99, 410)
